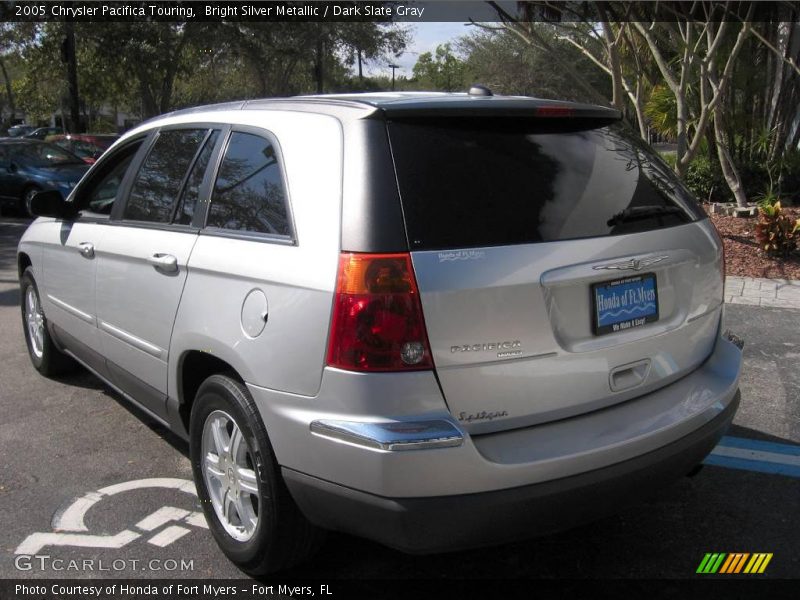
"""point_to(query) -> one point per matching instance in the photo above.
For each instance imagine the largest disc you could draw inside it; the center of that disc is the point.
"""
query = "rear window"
(489, 182)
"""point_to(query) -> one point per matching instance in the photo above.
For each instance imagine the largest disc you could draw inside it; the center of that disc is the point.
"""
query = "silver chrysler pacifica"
(437, 321)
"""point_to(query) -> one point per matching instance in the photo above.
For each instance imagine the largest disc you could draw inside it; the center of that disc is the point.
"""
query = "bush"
(670, 158)
(775, 232)
(790, 178)
(102, 125)
(755, 180)
(704, 178)
(706, 181)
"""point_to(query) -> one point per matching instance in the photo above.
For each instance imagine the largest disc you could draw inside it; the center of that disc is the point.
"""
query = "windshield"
(44, 155)
(81, 148)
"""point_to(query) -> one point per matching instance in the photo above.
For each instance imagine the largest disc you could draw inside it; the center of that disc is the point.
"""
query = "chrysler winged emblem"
(633, 264)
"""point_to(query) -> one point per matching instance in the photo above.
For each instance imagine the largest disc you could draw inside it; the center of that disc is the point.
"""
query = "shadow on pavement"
(9, 297)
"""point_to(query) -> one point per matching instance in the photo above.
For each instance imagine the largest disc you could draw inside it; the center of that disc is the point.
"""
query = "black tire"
(48, 360)
(283, 537)
(25, 201)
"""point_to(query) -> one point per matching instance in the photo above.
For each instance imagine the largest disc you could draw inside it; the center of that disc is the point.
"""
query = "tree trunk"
(641, 119)
(9, 91)
(618, 97)
(729, 170)
(319, 66)
(531, 37)
(72, 79)
(168, 82)
(149, 107)
(682, 135)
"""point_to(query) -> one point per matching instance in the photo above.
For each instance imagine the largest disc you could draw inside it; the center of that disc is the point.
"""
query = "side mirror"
(12, 167)
(52, 204)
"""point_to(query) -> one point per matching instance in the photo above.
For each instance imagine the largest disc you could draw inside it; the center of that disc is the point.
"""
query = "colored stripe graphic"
(740, 564)
(754, 563)
(718, 562)
(734, 563)
(703, 563)
(711, 562)
(726, 565)
(765, 563)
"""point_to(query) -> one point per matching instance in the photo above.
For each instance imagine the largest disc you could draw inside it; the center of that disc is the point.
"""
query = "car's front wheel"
(26, 200)
(46, 358)
(247, 505)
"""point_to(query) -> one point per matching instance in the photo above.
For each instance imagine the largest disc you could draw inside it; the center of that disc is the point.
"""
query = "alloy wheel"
(230, 477)
(34, 319)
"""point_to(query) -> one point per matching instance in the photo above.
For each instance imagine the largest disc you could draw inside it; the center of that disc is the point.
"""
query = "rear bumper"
(373, 432)
(440, 523)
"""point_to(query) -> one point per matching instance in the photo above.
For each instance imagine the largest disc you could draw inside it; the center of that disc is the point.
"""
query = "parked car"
(433, 320)
(19, 130)
(88, 146)
(42, 132)
(29, 166)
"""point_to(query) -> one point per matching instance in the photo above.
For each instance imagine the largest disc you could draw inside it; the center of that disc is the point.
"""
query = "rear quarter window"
(249, 193)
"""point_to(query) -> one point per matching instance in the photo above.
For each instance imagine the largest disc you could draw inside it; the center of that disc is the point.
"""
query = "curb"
(754, 291)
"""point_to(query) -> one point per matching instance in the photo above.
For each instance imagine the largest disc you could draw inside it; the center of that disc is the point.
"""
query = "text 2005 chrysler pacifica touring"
(433, 320)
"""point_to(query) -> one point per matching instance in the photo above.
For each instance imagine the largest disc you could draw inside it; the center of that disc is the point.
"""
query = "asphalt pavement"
(80, 468)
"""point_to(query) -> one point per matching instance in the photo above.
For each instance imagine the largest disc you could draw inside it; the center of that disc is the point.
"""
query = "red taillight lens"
(555, 111)
(722, 245)
(377, 316)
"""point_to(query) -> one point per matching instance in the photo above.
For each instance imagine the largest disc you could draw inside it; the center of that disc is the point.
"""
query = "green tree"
(508, 65)
(442, 71)
(694, 48)
(153, 67)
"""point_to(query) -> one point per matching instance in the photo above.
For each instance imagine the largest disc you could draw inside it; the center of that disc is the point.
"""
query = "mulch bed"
(743, 257)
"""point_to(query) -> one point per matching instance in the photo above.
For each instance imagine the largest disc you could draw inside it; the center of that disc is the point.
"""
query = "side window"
(191, 192)
(101, 198)
(249, 194)
(156, 188)
(99, 193)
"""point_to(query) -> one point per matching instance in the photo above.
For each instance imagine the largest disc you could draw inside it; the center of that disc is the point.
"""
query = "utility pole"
(393, 66)
(68, 56)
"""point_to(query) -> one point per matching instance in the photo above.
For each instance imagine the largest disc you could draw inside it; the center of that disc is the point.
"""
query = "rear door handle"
(86, 249)
(165, 263)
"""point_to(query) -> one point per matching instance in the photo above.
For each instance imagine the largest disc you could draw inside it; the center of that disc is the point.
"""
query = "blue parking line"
(737, 442)
(759, 466)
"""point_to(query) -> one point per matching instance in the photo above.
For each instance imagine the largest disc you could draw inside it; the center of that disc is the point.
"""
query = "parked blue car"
(30, 166)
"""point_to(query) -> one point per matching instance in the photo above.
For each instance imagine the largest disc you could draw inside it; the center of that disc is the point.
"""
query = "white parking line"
(35, 542)
(756, 455)
(162, 516)
(748, 454)
(72, 517)
(197, 519)
(184, 485)
(168, 535)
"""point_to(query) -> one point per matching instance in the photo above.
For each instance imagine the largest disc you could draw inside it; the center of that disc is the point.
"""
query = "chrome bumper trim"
(392, 436)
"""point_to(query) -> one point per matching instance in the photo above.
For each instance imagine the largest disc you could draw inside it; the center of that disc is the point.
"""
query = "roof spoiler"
(505, 107)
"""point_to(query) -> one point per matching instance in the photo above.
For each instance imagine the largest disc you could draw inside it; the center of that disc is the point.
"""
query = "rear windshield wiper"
(636, 213)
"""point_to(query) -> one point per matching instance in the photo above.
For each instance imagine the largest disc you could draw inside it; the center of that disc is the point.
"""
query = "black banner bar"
(413, 589)
(413, 11)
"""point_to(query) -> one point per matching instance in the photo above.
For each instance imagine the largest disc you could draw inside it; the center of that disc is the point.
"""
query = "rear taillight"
(722, 246)
(555, 111)
(377, 320)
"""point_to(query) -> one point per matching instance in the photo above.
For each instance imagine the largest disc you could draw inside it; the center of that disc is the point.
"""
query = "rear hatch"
(561, 265)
